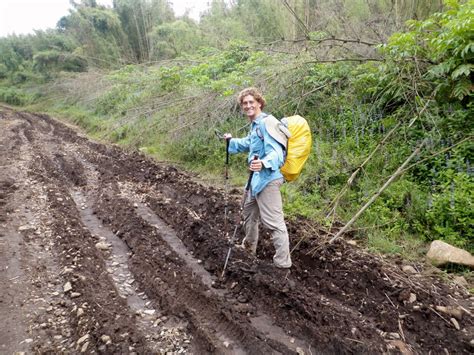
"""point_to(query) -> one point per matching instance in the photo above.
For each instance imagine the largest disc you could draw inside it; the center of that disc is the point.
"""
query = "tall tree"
(138, 17)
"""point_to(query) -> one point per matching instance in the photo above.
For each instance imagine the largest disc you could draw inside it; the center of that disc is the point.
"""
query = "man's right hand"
(227, 136)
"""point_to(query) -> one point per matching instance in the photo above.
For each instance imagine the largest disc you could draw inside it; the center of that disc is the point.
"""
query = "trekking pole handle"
(227, 142)
(247, 187)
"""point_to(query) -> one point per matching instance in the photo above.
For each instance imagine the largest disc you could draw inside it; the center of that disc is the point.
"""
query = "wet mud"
(136, 250)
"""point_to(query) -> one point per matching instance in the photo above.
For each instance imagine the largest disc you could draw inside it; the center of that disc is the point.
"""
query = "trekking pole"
(242, 204)
(226, 187)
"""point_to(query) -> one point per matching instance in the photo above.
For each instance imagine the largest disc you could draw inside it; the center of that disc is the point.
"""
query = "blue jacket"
(269, 151)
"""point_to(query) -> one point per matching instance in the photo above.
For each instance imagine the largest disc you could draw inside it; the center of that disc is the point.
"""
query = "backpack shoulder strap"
(277, 130)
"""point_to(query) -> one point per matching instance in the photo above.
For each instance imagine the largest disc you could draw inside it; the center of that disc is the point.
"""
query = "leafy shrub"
(14, 96)
(451, 215)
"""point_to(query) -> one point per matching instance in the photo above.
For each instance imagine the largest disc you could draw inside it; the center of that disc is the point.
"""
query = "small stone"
(456, 324)
(292, 340)
(82, 339)
(67, 287)
(299, 351)
(106, 339)
(84, 347)
(67, 270)
(102, 246)
(352, 242)
(150, 312)
(408, 269)
(75, 294)
(25, 228)
(80, 312)
(412, 298)
(29, 340)
(226, 344)
(395, 336)
(242, 299)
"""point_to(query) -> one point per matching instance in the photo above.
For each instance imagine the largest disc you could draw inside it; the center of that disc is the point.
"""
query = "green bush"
(15, 97)
(451, 215)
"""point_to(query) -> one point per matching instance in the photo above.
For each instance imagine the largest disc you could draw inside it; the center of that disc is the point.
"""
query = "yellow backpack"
(295, 135)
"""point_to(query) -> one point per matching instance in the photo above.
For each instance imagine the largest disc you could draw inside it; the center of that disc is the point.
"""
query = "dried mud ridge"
(107, 251)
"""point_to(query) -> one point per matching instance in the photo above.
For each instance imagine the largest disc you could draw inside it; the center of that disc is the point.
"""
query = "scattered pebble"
(67, 287)
(455, 323)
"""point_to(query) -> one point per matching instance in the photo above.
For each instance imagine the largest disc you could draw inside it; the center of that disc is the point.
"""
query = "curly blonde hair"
(253, 92)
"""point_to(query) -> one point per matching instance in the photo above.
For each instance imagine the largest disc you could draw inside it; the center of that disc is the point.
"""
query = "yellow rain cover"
(299, 147)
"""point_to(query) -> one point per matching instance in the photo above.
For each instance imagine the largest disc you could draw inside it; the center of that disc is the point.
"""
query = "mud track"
(107, 251)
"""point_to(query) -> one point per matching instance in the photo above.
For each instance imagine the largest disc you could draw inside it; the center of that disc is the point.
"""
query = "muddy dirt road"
(106, 251)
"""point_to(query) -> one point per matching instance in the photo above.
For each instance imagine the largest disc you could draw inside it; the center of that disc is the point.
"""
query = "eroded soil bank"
(107, 251)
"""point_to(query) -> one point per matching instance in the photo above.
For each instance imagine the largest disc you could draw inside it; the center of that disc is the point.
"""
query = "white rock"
(75, 294)
(106, 339)
(84, 347)
(408, 269)
(352, 242)
(441, 253)
(299, 351)
(82, 339)
(29, 340)
(395, 336)
(102, 246)
(80, 312)
(226, 344)
(150, 312)
(412, 298)
(67, 287)
(456, 324)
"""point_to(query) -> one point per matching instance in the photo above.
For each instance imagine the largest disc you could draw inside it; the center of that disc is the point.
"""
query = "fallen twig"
(401, 330)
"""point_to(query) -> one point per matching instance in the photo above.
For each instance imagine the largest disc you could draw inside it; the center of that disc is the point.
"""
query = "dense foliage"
(137, 75)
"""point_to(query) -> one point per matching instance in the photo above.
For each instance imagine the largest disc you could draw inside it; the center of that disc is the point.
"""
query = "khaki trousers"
(267, 206)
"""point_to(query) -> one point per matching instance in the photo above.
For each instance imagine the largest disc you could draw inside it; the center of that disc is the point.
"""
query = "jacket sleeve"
(239, 145)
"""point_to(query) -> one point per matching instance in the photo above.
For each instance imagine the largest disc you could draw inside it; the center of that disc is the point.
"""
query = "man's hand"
(227, 136)
(256, 165)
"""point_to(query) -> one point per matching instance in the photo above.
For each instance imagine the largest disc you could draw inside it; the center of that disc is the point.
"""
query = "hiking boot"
(245, 248)
(283, 276)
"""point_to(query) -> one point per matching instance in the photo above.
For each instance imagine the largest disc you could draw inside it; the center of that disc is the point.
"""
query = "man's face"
(251, 107)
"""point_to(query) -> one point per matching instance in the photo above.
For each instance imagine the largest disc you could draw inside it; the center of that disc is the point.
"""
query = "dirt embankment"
(106, 251)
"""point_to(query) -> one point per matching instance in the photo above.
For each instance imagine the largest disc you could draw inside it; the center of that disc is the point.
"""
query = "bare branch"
(397, 173)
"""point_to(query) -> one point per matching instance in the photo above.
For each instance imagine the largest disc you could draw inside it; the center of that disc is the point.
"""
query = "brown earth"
(107, 251)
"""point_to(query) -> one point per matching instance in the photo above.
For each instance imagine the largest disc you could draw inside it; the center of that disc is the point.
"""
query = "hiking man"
(265, 198)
